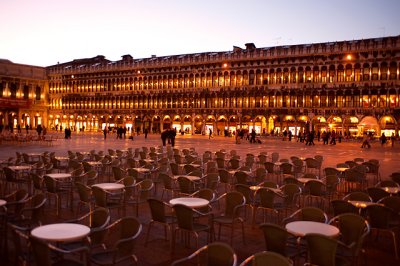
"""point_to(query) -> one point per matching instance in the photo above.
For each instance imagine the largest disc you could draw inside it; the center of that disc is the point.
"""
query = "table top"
(33, 154)
(301, 228)
(2, 202)
(142, 169)
(94, 163)
(276, 190)
(62, 158)
(109, 186)
(232, 172)
(20, 167)
(391, 190)
(190, 202)
(61, 232)
(59, 175)
(192, 177)
(305, 180)
(361, 204)
(342, 169)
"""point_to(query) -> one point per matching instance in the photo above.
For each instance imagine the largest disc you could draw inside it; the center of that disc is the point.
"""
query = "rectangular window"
(26, 92)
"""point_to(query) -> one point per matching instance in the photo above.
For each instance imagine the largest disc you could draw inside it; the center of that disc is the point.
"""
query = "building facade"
(23, 92)
(349, 86)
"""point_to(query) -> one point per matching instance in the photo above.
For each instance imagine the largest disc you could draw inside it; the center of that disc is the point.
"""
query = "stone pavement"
(157, 251)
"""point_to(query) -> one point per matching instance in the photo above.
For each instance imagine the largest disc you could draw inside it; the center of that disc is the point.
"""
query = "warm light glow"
(349, 57)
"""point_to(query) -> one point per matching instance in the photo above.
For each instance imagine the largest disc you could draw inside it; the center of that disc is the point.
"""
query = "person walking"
(210, 133)
(164, 136)
(383, 139)
(393, 139)
(172, 135)
(340, 137)
(146, 131)
(39, 130)
(105, 132)
(312, 136)
(333, 138)
(365, 141)
(253, 136)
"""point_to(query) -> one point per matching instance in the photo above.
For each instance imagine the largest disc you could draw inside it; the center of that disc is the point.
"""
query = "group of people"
(168, 135)
(251, 137)
(67, 133)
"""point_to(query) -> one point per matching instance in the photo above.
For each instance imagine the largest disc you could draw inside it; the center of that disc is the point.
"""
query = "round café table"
(342, 169)
(61, 232)
(190, 202)
(305, 180)
(62, 158)
(109, 186)
(142, 170)
(95, 163)
(192, 177)
(20, 167)
(301, 228)
(391, 190)
(362, 204)
(276, 190)
(59, 175)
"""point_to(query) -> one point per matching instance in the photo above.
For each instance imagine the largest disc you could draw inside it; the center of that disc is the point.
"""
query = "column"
(192, 123)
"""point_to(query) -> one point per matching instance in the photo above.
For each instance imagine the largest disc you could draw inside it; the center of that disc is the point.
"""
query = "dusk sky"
(44, 32)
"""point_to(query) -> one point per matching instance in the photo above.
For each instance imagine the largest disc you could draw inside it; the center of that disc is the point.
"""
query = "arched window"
(375, 71)
(340, 73)
(349, 72)
(392, 70)
(384, 71)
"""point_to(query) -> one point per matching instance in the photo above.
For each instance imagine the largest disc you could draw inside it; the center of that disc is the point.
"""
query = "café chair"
(57, 190)
(216, 253)
(322, 251)
(353, 231)
(85, 196)
(32, 214)
(188, 224)
(42, 252)
(159, 215)
(279, 240)
(267, 204)
(307, 214)
(97, 220)
(15, 204)
(107, 199)
(343, 206)
(234, 202)
(267, 258)
(124, 232)
(379, 218)
(377, 193)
